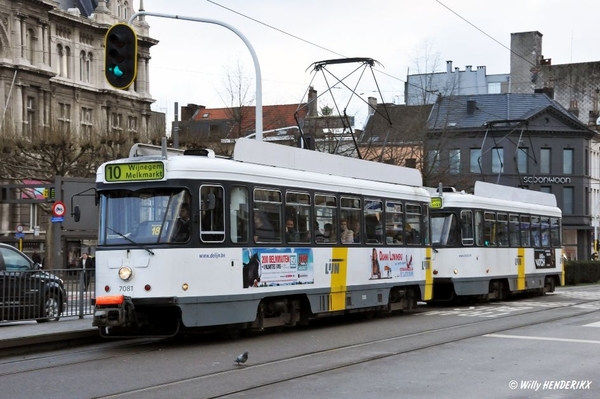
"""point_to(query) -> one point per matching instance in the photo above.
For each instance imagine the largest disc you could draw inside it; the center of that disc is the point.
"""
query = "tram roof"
(501, 197)
(265, 153)
(270, 163)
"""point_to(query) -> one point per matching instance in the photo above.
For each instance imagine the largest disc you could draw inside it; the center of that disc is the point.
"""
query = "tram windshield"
(147, 216)
(443, 229)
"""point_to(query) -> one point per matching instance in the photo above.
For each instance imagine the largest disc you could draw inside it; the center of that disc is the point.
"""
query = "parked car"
(26, 291)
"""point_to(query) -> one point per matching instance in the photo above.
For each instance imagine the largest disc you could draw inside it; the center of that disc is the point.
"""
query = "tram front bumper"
(113, 311)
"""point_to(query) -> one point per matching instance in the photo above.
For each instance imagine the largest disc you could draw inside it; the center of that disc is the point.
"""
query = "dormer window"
(206, 115)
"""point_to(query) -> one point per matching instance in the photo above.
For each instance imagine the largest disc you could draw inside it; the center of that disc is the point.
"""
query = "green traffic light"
(116, 71)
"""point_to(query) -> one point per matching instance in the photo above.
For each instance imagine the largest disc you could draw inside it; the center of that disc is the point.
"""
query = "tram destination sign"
(437, 203)
(134, 171)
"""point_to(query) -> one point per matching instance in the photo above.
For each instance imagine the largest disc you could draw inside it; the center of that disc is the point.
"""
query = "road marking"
(596, 324)
(580, 341)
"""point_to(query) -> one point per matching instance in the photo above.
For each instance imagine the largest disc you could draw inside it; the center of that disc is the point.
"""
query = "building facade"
(424, 88)
(519, 140)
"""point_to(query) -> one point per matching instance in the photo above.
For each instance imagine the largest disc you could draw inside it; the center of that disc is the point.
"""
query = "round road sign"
(59, 209)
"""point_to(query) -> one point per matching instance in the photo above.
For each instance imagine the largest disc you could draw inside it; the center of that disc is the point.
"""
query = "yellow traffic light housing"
(120, 56)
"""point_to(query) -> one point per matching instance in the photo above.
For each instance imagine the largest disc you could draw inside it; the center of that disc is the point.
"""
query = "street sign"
(20, 235)
(59, 209)
(57, 219)
(19, 228)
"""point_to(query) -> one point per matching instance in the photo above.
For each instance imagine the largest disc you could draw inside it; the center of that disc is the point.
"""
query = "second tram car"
(273, 237)
(496, 242)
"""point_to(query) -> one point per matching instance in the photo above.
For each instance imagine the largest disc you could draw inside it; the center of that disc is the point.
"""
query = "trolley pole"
(259, 121)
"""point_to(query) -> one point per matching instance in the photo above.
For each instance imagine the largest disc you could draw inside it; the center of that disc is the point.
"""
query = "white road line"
(581, 341)
(596, 324)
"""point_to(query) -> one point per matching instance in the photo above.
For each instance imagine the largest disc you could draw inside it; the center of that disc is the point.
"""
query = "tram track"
(269, 373)
(293, 368)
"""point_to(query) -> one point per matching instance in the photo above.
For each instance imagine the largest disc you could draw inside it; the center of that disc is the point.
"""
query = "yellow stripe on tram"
(562, 262)
(428, 295)
(521, 269)
(339, 272)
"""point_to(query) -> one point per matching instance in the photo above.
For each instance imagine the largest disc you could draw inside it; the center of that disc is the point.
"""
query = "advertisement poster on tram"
(390, 264)
(268, 267)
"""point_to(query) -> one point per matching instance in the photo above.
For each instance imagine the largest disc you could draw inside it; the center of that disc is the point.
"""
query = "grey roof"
(451, 112)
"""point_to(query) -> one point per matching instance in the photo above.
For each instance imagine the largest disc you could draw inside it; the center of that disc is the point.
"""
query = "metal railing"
(27, 295)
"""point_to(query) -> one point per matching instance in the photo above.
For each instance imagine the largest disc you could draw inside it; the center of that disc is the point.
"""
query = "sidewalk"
(16, 336)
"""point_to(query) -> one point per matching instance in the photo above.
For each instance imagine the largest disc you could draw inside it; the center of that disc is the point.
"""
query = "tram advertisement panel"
(544, 259)
(266, 267)
(390, 263)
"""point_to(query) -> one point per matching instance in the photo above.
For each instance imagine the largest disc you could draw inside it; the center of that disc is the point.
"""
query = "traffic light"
(120, 56)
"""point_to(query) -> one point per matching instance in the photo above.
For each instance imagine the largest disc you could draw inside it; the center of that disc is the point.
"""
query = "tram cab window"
(212, 214)
(147, 216)
(239, 215)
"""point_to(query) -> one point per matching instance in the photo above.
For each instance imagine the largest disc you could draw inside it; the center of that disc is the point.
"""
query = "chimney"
(448, 66)
(471, 106)
(372, 105)
(312, 103)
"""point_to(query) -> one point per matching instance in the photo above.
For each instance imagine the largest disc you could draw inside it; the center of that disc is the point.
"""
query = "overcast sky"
(191, 62)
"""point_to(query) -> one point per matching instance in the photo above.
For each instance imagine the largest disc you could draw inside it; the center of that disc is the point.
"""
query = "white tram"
(268, 241)
(496, 242)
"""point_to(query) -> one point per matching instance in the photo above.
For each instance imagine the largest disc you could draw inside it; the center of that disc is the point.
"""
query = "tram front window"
(443, 230)
(143, 216)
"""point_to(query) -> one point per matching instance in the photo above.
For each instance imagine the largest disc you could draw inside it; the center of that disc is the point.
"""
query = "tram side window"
(238, 214)
(326, 219)
(525, 231)
(466, 227)
(297, 217)
(479, 228)
(413, 233)
(545, 231)
(513, 230)
(555, 232)
(489, 229)
(502, 233)
(536, 240)
(267, 216)
(373, 215)
(350, 214)
(394, 223)
(212, 214)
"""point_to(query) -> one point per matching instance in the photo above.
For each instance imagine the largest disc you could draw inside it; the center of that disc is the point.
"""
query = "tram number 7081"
(125, 288)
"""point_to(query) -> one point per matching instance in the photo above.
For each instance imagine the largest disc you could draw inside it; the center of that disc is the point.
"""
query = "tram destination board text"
(138, 171)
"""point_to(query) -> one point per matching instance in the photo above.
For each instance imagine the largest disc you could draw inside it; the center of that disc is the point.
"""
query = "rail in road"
(292, 362)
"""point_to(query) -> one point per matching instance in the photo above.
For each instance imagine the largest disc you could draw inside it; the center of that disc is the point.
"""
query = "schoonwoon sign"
(546, 180)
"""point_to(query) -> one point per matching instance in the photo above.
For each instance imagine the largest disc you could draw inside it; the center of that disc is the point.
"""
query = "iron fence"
(45, 295)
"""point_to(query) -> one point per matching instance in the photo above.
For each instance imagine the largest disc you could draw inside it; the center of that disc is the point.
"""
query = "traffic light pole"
(259, 116)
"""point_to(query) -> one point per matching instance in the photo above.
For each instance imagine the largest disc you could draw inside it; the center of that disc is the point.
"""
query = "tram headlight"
(125, 273)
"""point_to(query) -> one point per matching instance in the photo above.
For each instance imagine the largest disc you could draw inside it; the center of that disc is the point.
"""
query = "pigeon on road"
(242, 358)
